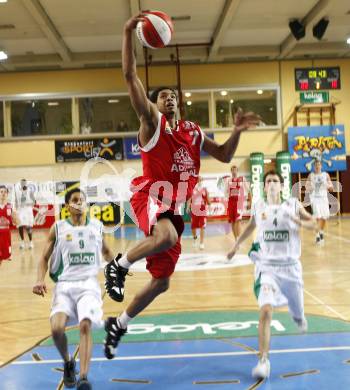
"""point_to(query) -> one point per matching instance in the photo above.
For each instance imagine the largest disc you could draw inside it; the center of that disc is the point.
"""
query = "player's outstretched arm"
(246, 233)
(329, 184)
(145, 110)
(106, 252)
(40, 287)
(305, 220)
(224, 153)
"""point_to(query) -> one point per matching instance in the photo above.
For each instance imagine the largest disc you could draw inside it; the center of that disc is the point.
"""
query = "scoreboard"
(314, 79)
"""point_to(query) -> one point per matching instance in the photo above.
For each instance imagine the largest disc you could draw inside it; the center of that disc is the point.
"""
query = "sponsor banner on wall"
(132, 148)
(284, 169)
(107, 212)
(257, 176)
(82, 150)
(307, 144)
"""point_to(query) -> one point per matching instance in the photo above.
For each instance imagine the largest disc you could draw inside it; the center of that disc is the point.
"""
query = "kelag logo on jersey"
(276, 235)
(86, 258)
(132, 148)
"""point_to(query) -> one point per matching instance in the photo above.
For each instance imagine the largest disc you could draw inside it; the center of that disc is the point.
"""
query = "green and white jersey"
(278, 240)
(319, 184)
(77, 254)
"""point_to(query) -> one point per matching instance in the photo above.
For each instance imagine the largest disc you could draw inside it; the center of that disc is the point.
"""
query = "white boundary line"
(325, 305)
(191, 355)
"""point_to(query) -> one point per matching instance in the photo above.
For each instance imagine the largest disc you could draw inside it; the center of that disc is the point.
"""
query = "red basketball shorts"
(147, 212)
(234, 213)
(198, 222)
(5, 244)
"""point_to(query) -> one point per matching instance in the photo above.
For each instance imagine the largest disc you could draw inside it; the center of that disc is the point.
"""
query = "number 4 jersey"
(277, 241)
(77, 251)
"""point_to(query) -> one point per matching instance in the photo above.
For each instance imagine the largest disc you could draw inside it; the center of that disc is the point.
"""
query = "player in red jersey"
(237, 189)
(170, 152)
(7, 217)
(198, 204)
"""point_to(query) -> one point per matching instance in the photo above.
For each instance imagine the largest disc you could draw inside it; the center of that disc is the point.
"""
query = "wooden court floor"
(24, 317)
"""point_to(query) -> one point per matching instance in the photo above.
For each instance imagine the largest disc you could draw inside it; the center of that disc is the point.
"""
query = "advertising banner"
(284, 169)
(310, 143)
(257, 176)
(82, 150)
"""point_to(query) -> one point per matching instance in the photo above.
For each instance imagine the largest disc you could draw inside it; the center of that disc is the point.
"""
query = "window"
(107, 115)
(262, 102)
(196, 107)
(1, 119)
(41, 117)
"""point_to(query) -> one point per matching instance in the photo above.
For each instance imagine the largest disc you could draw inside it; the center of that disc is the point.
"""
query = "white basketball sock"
(123, 261)
(123, 320)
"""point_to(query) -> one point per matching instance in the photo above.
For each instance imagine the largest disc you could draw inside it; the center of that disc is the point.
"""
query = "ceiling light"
(259, 91)
(113, 100)
(3, 1)
(3, 55)
(348, 41)
(188, 94)
(189, 103)
(53, 103)
(223, 93)
(267, 160)
(232, 101)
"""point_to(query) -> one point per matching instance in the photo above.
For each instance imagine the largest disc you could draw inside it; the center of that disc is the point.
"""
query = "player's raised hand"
(246, 120)
(232, 252)
(132, 22)
(40, 289)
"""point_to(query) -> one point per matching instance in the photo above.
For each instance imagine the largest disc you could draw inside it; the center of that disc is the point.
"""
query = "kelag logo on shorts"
(81, 258)
(276, 235)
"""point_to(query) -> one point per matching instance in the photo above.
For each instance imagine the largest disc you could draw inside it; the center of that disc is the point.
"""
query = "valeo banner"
(257, 175)
(210, 325)
(283, 167)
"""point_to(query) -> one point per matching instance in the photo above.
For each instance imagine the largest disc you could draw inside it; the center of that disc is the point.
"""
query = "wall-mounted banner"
(82, 150)
(310, 143)
(257, 176)
(132, 148)
(283, 167)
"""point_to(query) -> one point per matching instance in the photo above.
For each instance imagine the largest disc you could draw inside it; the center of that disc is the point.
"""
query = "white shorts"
(280, 286)
(320, 208)
(25, 216)
(79, 300)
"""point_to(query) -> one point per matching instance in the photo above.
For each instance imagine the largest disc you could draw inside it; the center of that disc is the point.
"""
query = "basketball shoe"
(114, 334)
(69, 379)
(115, 279)
(262, 369)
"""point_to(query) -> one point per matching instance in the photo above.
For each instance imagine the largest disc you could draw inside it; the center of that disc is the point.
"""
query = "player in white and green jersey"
(317, 185)
(276, 254)
(75, 246)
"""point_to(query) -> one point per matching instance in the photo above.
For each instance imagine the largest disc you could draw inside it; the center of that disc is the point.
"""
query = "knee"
(266, 313)
(168, 238)
(85, 326)
(162, 285)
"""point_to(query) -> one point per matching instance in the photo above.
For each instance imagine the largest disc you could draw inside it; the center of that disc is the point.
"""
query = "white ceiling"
(55, 34)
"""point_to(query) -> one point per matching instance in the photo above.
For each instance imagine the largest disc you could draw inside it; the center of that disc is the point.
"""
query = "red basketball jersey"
(5, 216)
(200, 200)
(236, 189)
(171, 162)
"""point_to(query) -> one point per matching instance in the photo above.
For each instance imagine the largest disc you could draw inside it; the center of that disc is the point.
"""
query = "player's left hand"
(246, 120)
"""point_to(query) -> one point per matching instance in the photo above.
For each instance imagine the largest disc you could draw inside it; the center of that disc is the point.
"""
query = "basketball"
(156, 30)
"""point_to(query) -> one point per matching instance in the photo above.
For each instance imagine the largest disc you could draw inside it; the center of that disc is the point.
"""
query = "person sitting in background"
(122, 126)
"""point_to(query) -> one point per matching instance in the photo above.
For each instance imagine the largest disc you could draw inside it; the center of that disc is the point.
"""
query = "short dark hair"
(71, 192)
(154, 95)
(273, 172)
(3, 186)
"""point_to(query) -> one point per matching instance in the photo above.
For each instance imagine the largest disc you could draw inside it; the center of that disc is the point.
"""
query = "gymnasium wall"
(27, 156)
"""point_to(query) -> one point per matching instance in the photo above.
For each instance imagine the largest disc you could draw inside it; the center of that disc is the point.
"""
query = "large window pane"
(107, 114)
(196, 107)
(1, 119)
(262, 102)
(41, 117)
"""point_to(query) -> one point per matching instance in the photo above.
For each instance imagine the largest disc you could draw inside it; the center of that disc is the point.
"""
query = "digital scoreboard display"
(314, 79)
